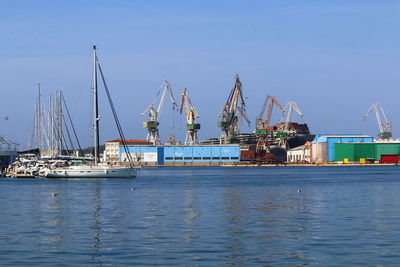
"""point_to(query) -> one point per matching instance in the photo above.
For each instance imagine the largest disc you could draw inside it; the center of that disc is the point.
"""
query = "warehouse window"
(169, 158)
(197, 158)
(234, 158)
(216, 158)
(225, 158)
(206, 158)
(178, 158)
(188, 158)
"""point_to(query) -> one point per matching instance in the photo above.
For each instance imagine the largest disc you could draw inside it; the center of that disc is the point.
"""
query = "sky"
(333, 58)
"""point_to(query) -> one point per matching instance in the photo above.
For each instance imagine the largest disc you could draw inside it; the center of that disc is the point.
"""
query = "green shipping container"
(364, 151)
(344, 150)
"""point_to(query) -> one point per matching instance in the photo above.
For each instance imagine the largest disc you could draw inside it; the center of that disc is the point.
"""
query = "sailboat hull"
(91, 172)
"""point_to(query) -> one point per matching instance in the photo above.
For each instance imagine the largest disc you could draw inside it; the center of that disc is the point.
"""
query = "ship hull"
(91, 172)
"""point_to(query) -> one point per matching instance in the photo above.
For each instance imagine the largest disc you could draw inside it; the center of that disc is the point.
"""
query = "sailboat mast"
(96, 109)
(59, 133)
(39, 123)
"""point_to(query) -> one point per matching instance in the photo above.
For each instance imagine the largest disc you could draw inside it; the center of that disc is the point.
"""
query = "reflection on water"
(235, 222)
(190, 213)
(96, 257)
(205, 216)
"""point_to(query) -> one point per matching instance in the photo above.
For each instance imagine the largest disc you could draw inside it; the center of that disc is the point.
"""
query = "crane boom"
(184, 103)
(385, 128)
(270, 101)
(154, 113)
(190, 111)
(291, 106)
(167, 89)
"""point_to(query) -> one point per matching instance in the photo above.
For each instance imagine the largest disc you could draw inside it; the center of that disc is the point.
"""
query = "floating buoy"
(54, 194)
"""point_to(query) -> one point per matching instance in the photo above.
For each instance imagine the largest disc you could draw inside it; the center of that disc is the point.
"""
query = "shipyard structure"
(268, 143)
(324, 149)
(281, 142)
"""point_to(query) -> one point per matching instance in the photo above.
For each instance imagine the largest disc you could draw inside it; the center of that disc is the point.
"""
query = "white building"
(301, 154)
(112, 148)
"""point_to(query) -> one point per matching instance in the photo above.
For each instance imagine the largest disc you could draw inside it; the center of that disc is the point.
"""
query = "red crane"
(261, 125)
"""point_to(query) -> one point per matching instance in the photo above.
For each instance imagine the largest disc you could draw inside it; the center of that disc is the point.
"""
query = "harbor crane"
(230, 115)
(191, 116)
(154, 114)
(290, 106)
(385, 127)
(262, 126)
(283, 131)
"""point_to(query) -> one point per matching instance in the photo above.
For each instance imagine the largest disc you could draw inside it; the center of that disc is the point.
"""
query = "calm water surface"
(328, 216)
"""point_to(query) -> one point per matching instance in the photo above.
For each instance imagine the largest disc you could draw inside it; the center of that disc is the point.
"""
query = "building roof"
(130, 141)
(387, 141)
(297, 148)
(322, 138)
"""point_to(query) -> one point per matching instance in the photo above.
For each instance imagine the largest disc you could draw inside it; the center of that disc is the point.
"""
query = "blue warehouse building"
(323, 145)
(182, 154)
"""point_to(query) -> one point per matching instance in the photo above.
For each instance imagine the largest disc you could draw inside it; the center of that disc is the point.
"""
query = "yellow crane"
(191, 116)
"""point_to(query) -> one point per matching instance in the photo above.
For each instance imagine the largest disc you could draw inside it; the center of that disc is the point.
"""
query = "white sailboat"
(95, 170)
(90, 171)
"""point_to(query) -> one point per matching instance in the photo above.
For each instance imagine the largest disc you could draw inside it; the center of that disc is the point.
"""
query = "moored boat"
(95, 169)
(90, 171)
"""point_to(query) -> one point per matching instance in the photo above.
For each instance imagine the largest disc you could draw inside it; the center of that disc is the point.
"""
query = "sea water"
(272, 216)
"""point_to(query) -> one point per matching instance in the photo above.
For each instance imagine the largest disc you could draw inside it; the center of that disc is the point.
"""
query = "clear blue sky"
(334, 58)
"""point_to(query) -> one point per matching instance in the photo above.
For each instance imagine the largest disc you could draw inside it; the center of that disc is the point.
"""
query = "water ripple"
(205, 217)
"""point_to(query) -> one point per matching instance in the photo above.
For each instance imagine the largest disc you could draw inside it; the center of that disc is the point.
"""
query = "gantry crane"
(262, 126)
(191, 116)
(385, 127)
(154, 114)
(283, 131)
(232, 112)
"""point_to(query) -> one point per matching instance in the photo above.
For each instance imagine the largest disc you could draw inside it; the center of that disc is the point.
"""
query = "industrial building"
(300, 154)
(8, 152)
(323, 146)
(378, 152)
(173, 155)
(112, 148)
